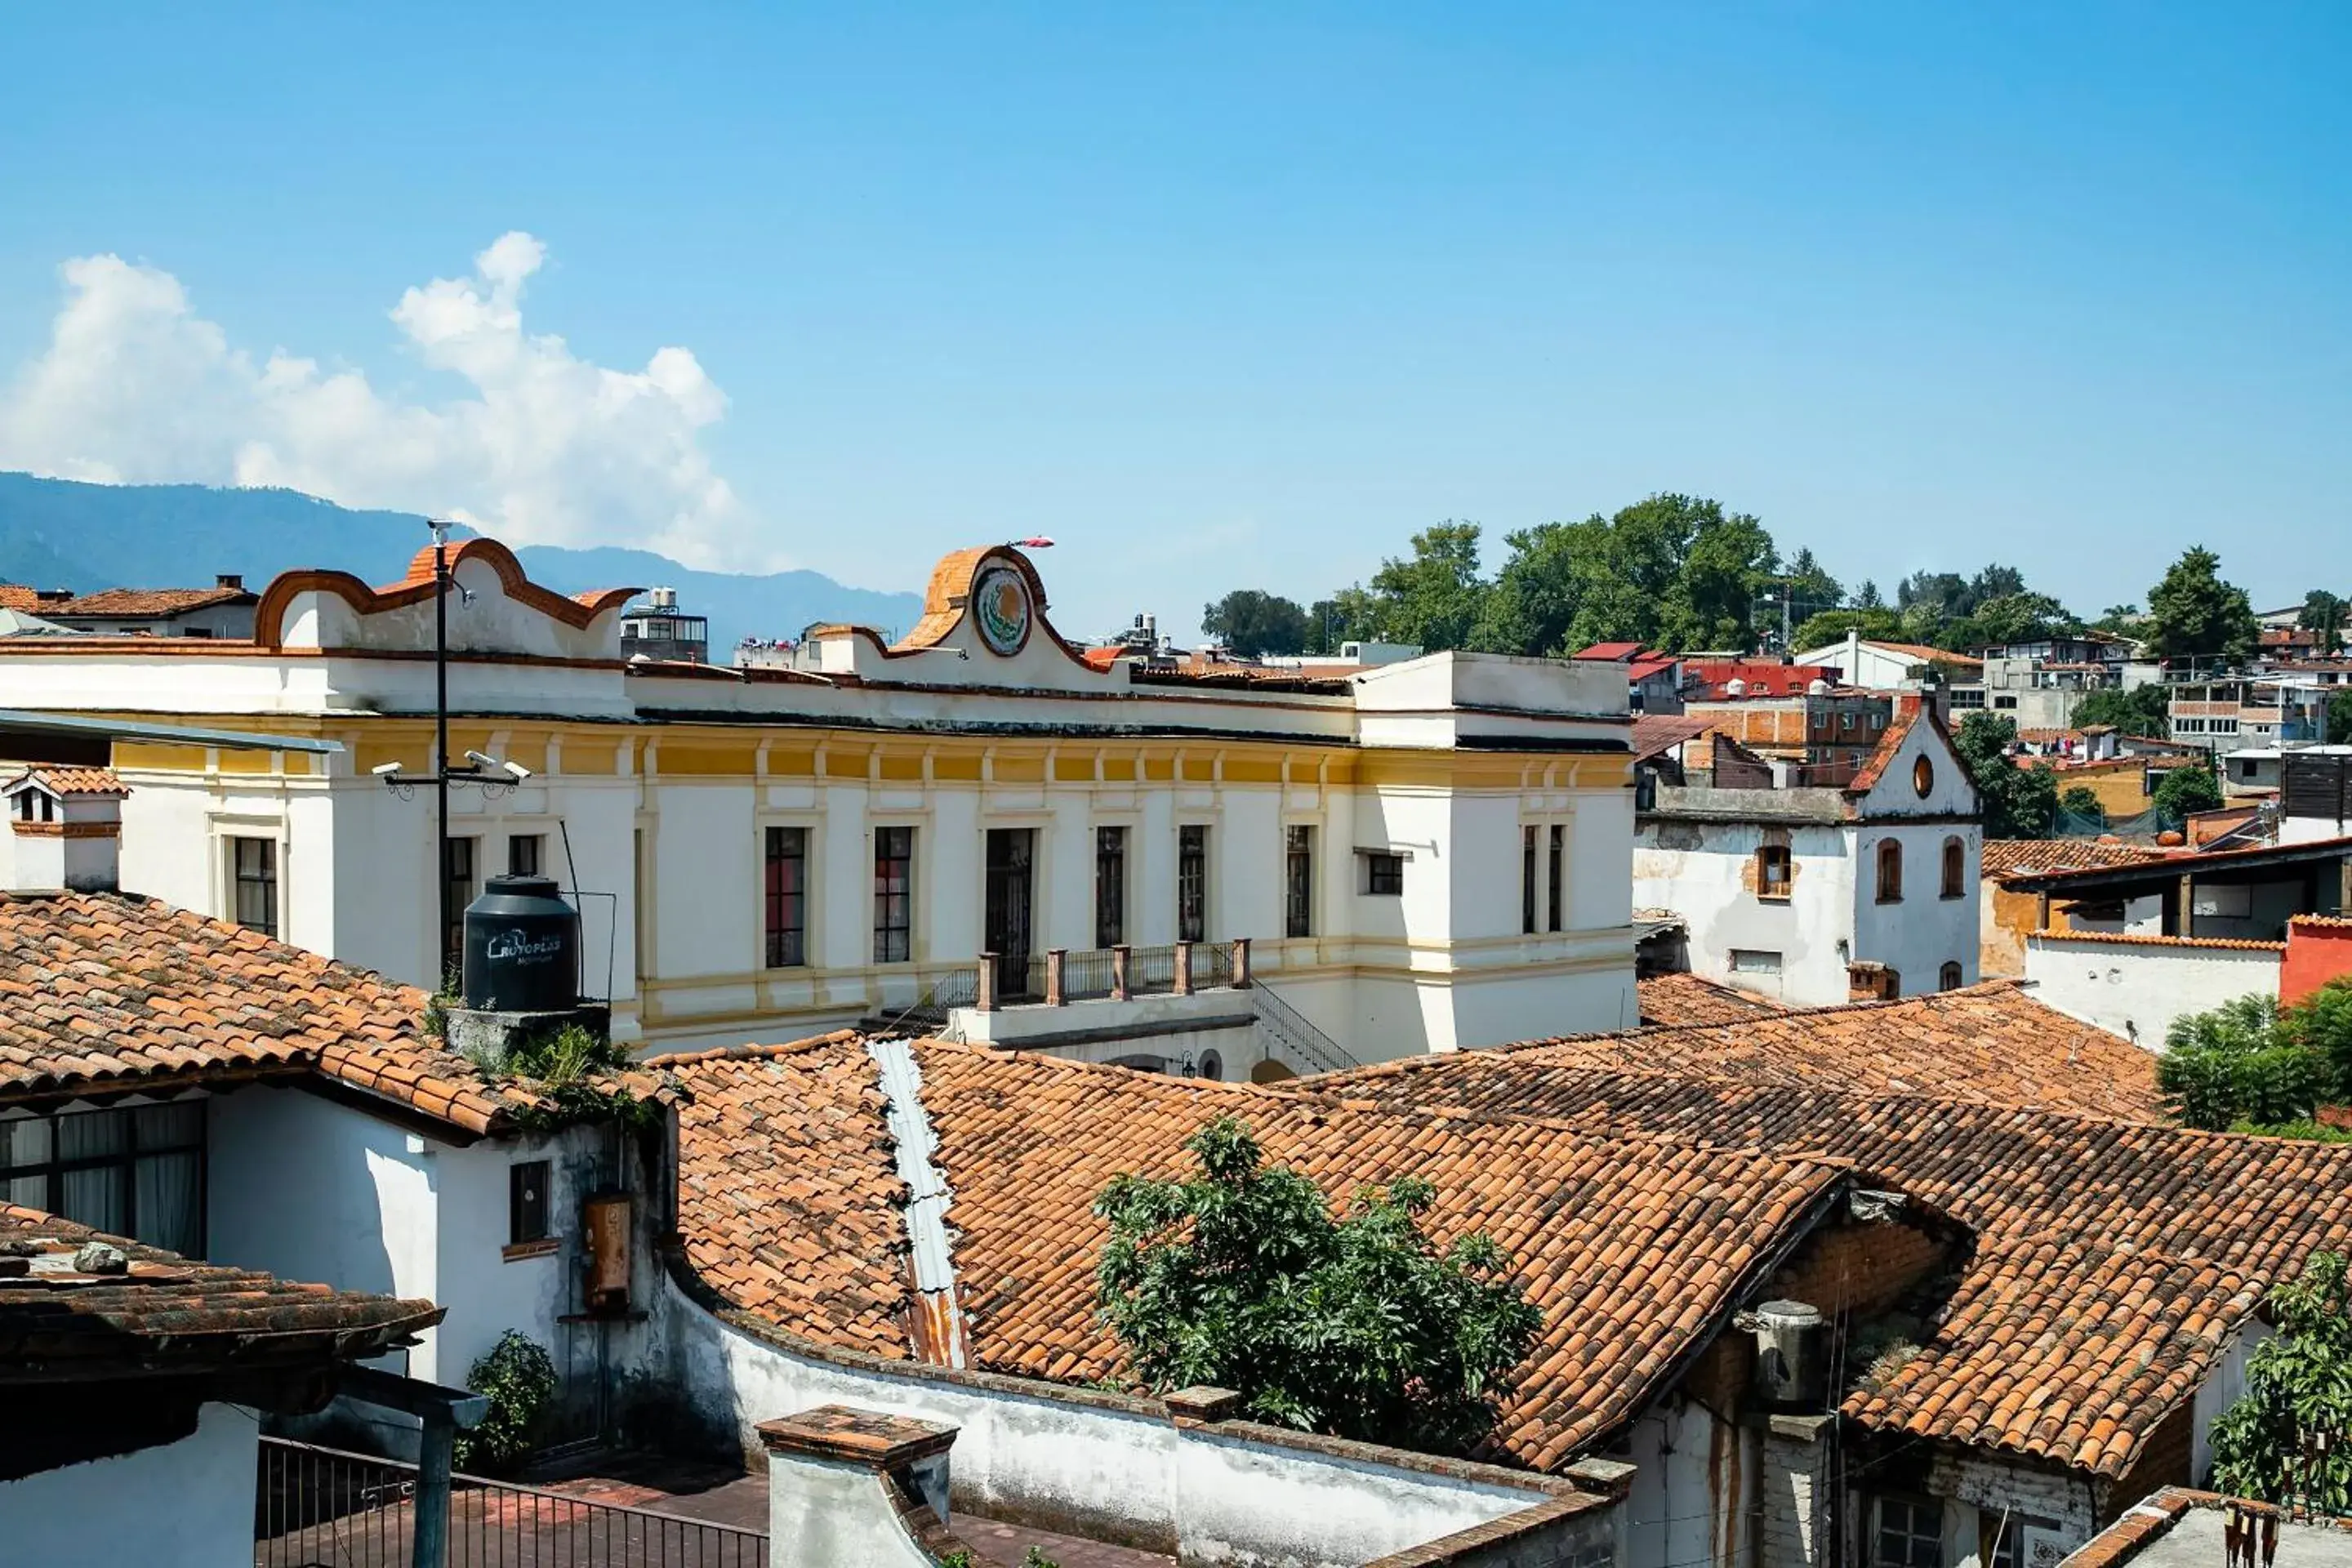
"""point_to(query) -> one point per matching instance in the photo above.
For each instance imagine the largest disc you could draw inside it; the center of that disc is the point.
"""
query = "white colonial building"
(1420, 856)
(1814, 895)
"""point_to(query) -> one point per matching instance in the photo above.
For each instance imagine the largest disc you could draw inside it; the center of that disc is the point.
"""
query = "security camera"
(482, 760)
(385, 769)
(518, 770)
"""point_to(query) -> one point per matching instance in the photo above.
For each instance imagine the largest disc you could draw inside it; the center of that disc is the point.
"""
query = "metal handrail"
(1292, 1027)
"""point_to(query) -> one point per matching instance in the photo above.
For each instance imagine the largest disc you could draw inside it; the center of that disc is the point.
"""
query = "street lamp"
(493, 775)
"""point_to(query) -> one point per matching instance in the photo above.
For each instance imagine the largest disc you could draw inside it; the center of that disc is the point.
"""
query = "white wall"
(2137, 990)
(1695, 1490)
(1925, 931)
(1702, 871)
(188, 1504)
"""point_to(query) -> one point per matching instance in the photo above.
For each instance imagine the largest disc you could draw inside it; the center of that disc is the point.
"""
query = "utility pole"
(441, 740)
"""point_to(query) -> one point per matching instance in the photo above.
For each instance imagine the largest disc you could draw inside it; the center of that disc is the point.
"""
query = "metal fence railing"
(324, 1508)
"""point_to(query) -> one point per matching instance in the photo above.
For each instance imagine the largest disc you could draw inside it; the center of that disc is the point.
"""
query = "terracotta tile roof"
(1677, 999)
(1993, 1044)
(1920, 651)
(2032, 857)
(2114, 1259)
(1656, 732)
(63, 780)
(107, 989)
(170, 1314)
(137, 603)
(2151, 939)
(18, 596)
(789, 1200)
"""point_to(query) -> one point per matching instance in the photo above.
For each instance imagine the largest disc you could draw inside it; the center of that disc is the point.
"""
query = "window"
(1948, 978)
(1923, 777)
(254, 864)
(894, 895)
(1997, 1539)
(32, 806)
(1299, 882)
(1845, 721)
(1749, 961)
(137, 1172)
(459, 868)
(1772, 872)
(526, 1201)
(1890, 871)
(1526, 879)
(2001, 701)
(1384, 874)
(1552, 893)
(1907, 1533)
(1956, 869)
(526, 852)
(787, 897)
(2246, 767)
(1192, 883)
(1111, 886)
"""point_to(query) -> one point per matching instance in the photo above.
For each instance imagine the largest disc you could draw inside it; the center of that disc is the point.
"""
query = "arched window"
(1890, 870)
(1949, 979)
(1956, 869)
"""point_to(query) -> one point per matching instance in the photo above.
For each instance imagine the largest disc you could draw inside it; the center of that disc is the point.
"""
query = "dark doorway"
(1011, 856)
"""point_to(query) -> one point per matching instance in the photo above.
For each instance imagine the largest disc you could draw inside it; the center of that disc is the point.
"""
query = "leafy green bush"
(1239, 1275)
(518, 1376)
(2298, 1382)
(2252, 1064)
(2186, 791)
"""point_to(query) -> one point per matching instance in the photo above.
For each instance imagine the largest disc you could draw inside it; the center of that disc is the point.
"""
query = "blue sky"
(1228, 296)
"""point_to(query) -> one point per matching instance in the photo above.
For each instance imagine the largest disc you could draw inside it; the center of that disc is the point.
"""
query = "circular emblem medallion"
(999, 602)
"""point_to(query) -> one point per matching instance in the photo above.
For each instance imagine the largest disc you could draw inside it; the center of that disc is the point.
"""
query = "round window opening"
(1923, 776)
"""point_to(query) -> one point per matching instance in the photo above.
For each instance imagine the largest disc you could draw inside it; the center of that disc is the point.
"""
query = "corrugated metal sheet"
(938, 1326)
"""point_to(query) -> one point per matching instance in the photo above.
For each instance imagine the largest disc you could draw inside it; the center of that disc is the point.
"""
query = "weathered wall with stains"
(1784, 947)
(1694, 1489)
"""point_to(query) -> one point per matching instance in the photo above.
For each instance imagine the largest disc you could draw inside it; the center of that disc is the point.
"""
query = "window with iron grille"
(1299, 882)
(787, 897)
(526, 852)
(1192, 883)
(459, 867)
(1907, 1533)
(255, 864)
(1526, 879)
(527, 1202)
(1956, 869)
(1384, 874)
(894, 894)
(1111, 887)
(137, 1171)
(1555, 863)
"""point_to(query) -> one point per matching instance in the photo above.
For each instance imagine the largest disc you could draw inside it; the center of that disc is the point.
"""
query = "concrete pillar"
(1119, 982)
(1797, 1530)
(1055, 958)
(984, 994)
(1240, 962)
(856, 1488)
(2188, 921)
(1184, 969)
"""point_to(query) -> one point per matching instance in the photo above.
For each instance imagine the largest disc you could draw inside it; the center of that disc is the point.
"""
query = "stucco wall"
(1705, 871)
(1112, 1466)
(2137, 990)
(189, 1504)
(1696, 1497)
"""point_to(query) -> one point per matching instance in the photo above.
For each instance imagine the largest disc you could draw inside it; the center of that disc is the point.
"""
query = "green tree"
(2193, 614)
(1239, 1275)
(1349, 615)
(2298, 1386)
(1866, 597)
(2186, 791)
(2120, 619)
(2239, 1063)
(2019, 802)
(2143, 711)
(1673, 570)
(1251, 623)
(2012, 618)
(2323, 612)
(1433, 597)
(1831, 626)
(2339, 718)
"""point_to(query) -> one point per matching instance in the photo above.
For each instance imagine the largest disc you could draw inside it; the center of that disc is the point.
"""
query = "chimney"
(61, 839)
(230, 580)
(1868, 981)
(852, 1488)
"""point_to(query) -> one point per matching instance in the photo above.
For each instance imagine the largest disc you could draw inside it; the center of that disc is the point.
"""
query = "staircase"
(1288, 1030)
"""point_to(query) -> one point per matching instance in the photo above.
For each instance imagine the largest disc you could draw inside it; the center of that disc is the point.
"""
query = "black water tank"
(522, 948)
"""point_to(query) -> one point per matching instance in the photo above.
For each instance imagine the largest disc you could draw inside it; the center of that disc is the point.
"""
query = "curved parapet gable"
(501, 610)
(983, 624)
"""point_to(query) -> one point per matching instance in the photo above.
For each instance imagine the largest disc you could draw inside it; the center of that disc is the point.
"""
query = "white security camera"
(385, 769)
(481, 759)
(518, 770)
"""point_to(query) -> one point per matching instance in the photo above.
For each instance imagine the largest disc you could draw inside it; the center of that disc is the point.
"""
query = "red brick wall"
(1858, 1267)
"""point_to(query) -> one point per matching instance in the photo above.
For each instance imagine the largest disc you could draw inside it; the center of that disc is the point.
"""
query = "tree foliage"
(1673, 570)
(1431, 597)
(2323, 613)
(2193, 614)
(2019, 802)
(2339, 718)
(1831, 625)
(518, 1376)
(1240, 1276)
(2186, 791)
(2254, 1065)
(1249, 623)
(2298, 1382)
(2143, 711)
(2082, 802)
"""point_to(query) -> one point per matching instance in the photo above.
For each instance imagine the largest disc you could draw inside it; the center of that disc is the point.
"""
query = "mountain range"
(62, 534)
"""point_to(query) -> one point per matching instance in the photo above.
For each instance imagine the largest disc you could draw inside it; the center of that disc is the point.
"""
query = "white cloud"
(546, 449)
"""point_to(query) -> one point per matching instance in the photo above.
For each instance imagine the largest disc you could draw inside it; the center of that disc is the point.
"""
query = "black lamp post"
(493, 776)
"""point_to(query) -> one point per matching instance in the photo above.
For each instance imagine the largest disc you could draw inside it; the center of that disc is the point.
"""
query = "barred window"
(787, 897)
(894, 894)
(254, 862)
